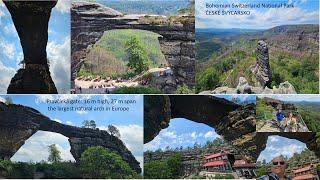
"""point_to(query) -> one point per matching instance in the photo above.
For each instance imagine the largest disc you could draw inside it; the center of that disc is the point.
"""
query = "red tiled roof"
(215, 155)
(307, 168)
(243, 163)
(214, 163)
(306, 176)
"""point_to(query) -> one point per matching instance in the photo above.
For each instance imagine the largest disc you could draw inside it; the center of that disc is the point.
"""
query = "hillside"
(163, 7)
(310, 113)
(293, 57)
(108, 57)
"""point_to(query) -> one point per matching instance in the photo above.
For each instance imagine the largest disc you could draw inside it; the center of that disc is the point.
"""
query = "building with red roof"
(244, 169)
(219, 162)
(305, 173)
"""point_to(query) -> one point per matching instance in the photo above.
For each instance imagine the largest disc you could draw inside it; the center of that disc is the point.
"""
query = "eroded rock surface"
(177, 41)
(18, 123)
(236, 123)
(262, 70)
(31, 20)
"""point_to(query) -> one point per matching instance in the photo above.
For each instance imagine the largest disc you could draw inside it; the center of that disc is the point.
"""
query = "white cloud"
(211, 134)
(36, 147)
(271, 17)
(10, 29)
(8, 49)
(63, 6)
(274, 139)
(82, 112)
(6, 74)
(57, 120)
(2, 99)
(69, 123)
(59, 57)
(193, 135)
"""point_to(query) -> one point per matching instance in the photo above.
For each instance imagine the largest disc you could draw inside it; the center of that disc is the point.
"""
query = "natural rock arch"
(235, 123)
(309, 138)
(18, 123)
(218, 113)
(90, 20)
(31, 20)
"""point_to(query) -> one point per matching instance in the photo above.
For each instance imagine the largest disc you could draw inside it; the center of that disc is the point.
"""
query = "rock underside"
(31, 19)
(18, 123)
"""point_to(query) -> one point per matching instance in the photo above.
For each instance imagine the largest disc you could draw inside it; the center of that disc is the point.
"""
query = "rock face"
(262, 70)
(31, 20)
(18, 123)
(308, 138)
(91, 20)
(237, 124)
(234, 122)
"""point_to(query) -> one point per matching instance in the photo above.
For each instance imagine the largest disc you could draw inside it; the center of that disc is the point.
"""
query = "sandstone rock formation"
(262, 70)
(90, 20)
(308, 138)
(18, 123)
(31, 20)
(234, 122)
(244, 88)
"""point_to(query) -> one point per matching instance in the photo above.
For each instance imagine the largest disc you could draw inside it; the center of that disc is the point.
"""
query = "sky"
(182, 132)
(238, 98)
(58, 47)
(304, 12)
(130, 125)
(277, 145)
(295, 97)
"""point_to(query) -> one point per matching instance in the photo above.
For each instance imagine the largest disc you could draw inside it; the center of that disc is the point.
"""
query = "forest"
(223, 58)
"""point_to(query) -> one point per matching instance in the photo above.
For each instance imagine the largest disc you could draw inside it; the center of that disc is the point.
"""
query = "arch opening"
(298, 160)
(112, 62)
(36, 149)
(200, 148)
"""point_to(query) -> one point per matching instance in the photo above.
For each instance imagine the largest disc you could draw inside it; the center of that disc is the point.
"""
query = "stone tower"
(262, 70)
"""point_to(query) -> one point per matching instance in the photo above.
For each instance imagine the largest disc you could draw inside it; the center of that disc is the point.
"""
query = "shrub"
(137, 90)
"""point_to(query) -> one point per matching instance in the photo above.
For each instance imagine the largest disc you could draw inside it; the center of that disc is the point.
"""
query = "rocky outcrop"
(234, 122)
(262, 70)
(276, 104)
(18, 123)
(90, 20)
(244, 88)
(31, 20)
(308, 138)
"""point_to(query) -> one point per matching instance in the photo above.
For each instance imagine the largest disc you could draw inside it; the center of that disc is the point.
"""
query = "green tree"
(174, 164)
(207, 80)
(138, 58)
(8, 100)
(184, 89)
(92, 124)
(100, 163)
(89, 124)
(261, 171)
(54, 154)
(114, 131)
(157, 170)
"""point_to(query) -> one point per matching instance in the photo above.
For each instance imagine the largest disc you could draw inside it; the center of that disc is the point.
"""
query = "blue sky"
(238, 98)
(294, 97)
(304, 12)
(277, 145)
(58, 47)
(182, 132)
(130, 125)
